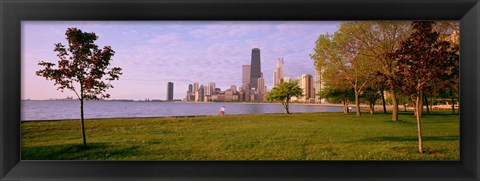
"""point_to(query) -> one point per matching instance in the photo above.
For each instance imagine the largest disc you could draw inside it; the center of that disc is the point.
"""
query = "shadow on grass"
(93, 151)
(404, 139)
(401, 122)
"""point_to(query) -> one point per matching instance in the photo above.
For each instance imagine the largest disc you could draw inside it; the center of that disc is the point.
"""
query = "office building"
(261, 90)
(278, 72)
(195, 91)
(261, 85)
(306, 83)
(190, 88)
(201, 94)
(170, 91)
(246, 92)
(255, 68)
(210, 89)
(245, 74)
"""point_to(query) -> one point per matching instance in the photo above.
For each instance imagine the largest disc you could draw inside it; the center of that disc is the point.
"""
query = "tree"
(422, 59)
(342, 53)
(283, 92)
(81, 68)
(343, 95)
(374, 39)
(371, 95)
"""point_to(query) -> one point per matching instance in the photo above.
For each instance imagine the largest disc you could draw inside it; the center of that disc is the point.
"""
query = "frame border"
(12, 12)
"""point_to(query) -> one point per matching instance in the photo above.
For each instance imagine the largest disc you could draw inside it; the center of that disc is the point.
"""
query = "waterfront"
(60, 110)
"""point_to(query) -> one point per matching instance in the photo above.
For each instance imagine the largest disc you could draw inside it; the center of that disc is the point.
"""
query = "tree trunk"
(419, 128)
(357, 103)
(421, 105)
(394, 105)
(372, 108)
(285, 105)
(453, 101)
(383, 103)
(426, 102)
(404, 107)
(83, 124)
(345, 107)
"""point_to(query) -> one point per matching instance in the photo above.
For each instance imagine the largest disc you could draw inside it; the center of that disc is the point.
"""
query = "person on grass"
(222, 110)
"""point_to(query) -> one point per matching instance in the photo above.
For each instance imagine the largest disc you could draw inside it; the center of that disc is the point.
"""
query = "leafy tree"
(339, 52)
(283, 92)
(343, 95)
(371, 95)
(450, 31)
(82, 68)
(374, 39)
(422, 59)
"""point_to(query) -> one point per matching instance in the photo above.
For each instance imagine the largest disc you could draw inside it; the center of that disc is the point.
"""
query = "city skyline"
(154, 53)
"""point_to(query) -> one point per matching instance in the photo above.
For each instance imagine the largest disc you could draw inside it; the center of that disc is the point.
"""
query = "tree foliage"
(371, 94)
(343, 95)
(423, 59)
(375, 39)
(345, 54)
(283, 93)
(82, 68)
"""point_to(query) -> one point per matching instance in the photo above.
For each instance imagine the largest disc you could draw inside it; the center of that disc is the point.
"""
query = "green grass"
(302, 136)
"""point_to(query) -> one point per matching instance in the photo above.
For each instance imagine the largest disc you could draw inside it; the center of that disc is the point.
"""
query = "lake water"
(56, 110)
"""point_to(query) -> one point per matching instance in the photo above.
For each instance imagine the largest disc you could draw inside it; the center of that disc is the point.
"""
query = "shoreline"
(163, 117)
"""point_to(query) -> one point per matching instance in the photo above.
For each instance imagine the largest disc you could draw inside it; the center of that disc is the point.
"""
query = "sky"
(152, 53)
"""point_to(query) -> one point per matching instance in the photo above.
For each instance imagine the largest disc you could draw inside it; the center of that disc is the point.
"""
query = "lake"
(59, 109)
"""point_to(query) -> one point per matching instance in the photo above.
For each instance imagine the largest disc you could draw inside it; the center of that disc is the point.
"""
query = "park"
(362, 64)
(297, 136)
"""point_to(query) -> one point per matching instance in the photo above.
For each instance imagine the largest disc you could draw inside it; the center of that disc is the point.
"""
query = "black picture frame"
(12, 12)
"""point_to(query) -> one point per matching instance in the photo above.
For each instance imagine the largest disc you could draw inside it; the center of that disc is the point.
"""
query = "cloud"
(224, 30)
(153, 53)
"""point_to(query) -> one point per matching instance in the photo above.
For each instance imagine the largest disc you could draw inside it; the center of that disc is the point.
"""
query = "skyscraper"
(201, 94)
(306, 84)
(210, 89)
(170, 91)
(245, 75)
(195, 91)
(261, 84)
(195, 87)
(278, 72)
(255, 68)
(246, 94)
(190, 88)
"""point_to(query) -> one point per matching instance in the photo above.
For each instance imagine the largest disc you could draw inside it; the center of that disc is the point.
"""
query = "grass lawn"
(301, 136)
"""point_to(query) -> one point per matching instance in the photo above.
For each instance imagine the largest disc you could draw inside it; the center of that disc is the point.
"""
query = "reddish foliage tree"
(423, 59)
(83, 70)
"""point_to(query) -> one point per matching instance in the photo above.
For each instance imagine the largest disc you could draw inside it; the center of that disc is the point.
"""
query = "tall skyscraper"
(261, 85)
(201, 93)
(255, 68)
(190, 88)
(246, 94)
(278, 72)
(195, 87)
(306, 84)
(210, 89)
(195, 91)
(170, 91)
(245, 75)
